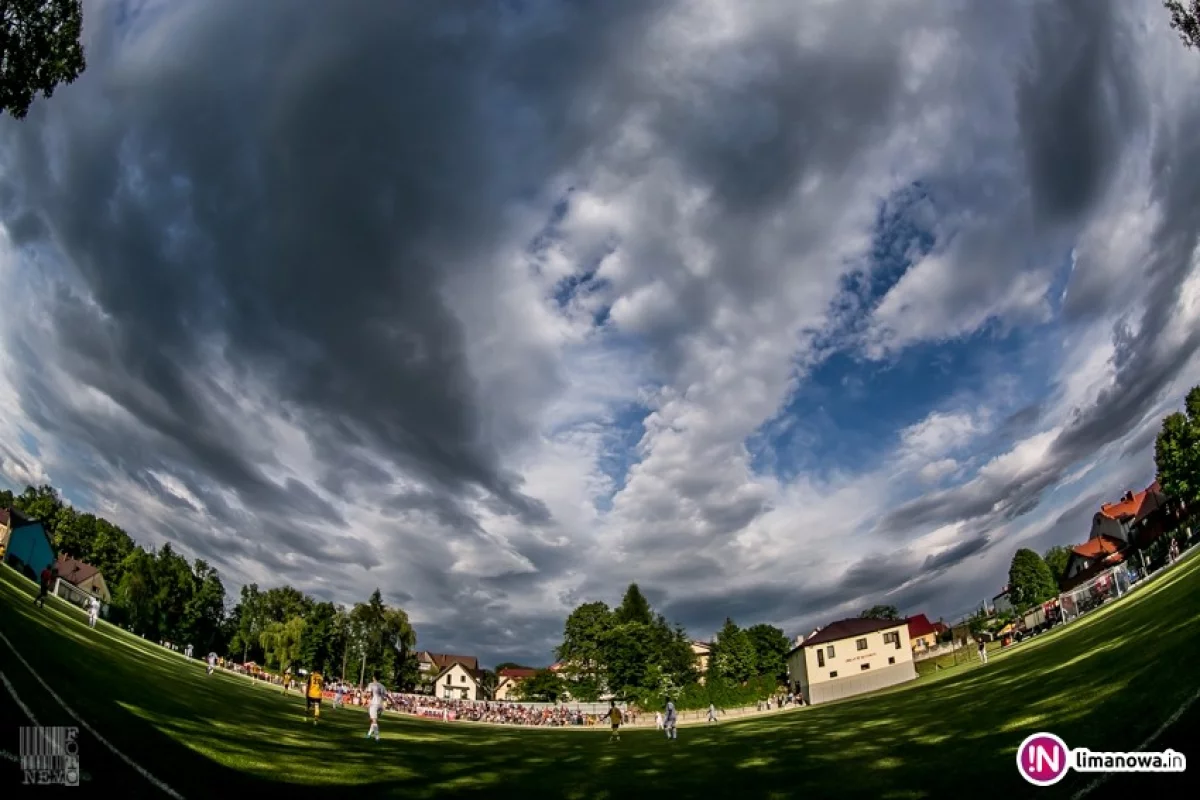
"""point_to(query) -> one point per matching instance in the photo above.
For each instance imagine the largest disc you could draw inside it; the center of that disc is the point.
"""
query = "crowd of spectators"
(493, 712)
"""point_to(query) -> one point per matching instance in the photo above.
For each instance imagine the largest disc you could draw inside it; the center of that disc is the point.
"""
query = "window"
(891, 659)
(462, 678)
(833, 674)
(892, 637)
(865, 667)
(820, 657)
(861, 644)
(829, 651)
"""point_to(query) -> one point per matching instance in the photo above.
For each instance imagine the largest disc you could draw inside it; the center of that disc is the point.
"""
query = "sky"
(779, 309)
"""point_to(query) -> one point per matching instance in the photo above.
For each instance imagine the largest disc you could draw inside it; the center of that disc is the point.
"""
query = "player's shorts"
(374, 710)
(313, 702)
(616, 725)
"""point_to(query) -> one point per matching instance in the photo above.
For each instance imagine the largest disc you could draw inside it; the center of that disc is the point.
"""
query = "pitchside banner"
(50, 756)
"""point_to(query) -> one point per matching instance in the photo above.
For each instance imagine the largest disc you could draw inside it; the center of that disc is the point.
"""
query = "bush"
(719, 692)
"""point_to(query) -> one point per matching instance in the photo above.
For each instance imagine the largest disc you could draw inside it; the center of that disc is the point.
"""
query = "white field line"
(1141, 748)
(25, 709)
(84, 724)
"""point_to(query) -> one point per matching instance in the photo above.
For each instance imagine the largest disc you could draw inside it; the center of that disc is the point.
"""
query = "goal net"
(74, 595)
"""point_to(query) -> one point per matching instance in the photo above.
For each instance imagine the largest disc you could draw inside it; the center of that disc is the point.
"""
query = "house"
(851, 657)
(922, 634)
(1090, 559)
(83, 576)
(430, 666)
(508, 680)
(702, 651)
(457, 682)
(24, 544)
(1136, 519)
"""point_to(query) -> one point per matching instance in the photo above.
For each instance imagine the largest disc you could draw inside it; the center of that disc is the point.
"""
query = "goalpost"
(75, 596)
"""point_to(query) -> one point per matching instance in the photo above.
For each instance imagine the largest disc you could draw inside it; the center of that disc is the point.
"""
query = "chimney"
(1128, 496)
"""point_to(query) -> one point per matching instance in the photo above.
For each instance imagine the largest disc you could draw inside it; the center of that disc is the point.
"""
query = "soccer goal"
(74, 595)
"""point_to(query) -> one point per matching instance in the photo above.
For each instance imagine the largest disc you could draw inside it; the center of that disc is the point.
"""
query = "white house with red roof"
(83, 576)
(509, 679)
(851, 657)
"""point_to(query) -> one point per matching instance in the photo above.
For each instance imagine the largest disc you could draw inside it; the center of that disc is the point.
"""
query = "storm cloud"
(364, 295)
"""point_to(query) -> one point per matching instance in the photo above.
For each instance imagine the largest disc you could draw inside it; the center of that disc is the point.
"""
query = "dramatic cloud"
(781, 309)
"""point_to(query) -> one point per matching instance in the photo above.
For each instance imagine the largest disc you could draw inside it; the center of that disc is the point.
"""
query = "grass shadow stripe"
(158, 784)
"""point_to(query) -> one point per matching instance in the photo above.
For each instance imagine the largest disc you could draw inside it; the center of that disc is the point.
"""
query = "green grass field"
(1107, 683)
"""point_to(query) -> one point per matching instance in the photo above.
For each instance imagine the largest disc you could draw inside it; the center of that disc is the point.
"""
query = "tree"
(634, 607)
(251, 623)
(1029, 580)
(880, 612)
(204, 611)
(1056, 559)
(319, 641)
(281, 643)
(733, 654)
(487, 684)
(503, 665)
(1177, 451)
(543, 686)
(582, 648)
(1185, 20)
(628, 651)
(39, 49)
(771, 647)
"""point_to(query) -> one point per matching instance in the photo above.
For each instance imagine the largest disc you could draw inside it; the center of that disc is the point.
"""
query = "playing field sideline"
(1107, 682)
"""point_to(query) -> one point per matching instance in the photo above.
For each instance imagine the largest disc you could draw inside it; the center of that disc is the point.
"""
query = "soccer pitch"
(1108, 682)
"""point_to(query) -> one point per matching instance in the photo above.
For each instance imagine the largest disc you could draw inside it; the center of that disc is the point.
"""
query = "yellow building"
(851, 657)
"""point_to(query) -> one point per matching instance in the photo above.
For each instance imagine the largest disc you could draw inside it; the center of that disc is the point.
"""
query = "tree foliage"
(880, 612)
(1177, 451)
(1029, 580)
(771, 647)
(543, 686)
(733, 657)
(162, 595)
(1056, 559)
(634, 608)
(1185, 21)
(39, 49)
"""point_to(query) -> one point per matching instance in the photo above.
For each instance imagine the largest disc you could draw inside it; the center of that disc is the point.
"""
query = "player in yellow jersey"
(313, 696)
(614, 716)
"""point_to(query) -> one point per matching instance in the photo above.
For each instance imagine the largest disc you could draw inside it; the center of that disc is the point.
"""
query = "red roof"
(1134, 505)
(74, 571)
(849, 628)
(444, 660)
(919, 626)
(1100, 546)
(517, 673)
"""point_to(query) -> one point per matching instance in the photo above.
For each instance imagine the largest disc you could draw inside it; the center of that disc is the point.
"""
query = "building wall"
(840, 669)
(1103, 525)
(457, 683)
(28, 545)
(96, 586)
(506, 689)
(826, 692)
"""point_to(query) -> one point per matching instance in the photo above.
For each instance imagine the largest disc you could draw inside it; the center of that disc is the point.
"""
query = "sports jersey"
(376, 690)
(615, 716)
(314, 685)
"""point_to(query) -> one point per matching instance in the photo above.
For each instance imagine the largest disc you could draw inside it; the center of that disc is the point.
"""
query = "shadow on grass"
(1104, 682)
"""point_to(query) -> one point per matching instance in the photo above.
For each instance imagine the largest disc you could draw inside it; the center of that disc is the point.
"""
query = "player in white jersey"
(376, 692)
(93, 611)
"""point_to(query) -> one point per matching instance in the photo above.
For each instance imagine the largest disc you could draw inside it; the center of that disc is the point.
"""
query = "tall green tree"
(39, 50)
(628, 653)
(319, 641)
(137, 591)
(1185, 20)
(634, 607)
(733, 655)
(1029, 580)
(880, 612)
(582, 649)
(281, 643)
(252, 621)
(771, 647)
(6, 498)
(1056, 559)
(1177, 451)
(204, 611)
